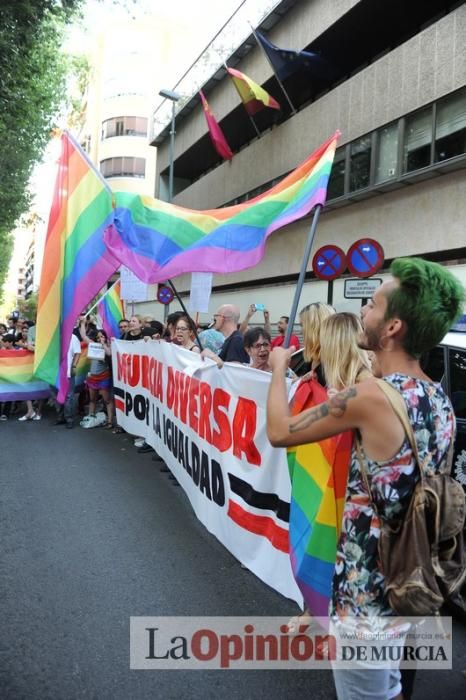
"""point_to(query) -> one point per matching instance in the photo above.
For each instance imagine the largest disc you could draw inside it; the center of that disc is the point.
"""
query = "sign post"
(327, 264)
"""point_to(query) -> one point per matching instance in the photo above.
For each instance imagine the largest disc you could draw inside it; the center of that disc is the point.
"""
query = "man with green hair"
(407, 316)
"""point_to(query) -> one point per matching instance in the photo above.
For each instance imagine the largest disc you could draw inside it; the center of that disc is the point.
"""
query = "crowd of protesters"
(225, 339)
(397, 326)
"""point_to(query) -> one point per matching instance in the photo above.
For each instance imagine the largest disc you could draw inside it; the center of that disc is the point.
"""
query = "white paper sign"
(201, 289)
(132, 289)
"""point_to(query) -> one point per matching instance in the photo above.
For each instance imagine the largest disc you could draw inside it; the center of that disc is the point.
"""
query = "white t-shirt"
(74, 348)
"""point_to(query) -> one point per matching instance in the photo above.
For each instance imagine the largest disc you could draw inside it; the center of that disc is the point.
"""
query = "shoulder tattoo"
(335, 406)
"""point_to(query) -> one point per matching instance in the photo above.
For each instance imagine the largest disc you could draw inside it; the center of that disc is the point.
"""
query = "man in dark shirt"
(226, 321)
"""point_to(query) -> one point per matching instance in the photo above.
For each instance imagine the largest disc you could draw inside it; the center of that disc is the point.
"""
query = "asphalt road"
(92, 533)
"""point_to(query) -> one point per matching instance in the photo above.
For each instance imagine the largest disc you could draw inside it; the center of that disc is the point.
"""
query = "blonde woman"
(335, 350)
(343, 361)
(311, 318)
(136, 323)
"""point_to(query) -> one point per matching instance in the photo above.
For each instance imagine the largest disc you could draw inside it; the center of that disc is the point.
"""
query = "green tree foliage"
(32, 89)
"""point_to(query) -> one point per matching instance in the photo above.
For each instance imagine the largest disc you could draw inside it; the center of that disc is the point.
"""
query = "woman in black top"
(135, 328)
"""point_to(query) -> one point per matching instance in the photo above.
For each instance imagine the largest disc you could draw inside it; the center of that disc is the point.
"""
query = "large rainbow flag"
(158, 240)
(318, 473)
(77, 263)
(16, 377)
(111, 311)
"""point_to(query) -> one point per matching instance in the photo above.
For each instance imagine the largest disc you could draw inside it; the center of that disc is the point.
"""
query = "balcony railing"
(233, 33)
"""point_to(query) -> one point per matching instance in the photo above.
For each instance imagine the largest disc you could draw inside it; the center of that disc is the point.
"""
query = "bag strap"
(399, 406)
(397, 403)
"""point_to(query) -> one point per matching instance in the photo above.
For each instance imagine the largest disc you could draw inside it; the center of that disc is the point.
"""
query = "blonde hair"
(312, 316)
(343, 361)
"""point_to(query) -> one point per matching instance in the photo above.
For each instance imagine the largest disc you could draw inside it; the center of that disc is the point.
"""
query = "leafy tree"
(32, 88)
(28, 307)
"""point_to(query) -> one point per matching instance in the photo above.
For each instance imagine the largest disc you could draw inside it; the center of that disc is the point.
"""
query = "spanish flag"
(253, 96)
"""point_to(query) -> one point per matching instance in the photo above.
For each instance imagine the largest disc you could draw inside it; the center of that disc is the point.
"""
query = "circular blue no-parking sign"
(365, 257)
(328, 262)
(164, 294)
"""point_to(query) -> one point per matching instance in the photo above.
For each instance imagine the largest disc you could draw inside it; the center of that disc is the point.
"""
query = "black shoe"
(157, 458)
(60, 421)
(163, 468)
(69, 425)
(145, 447)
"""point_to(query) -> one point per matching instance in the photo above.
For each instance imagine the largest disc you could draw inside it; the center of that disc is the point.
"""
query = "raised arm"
(82, 330)
(267, 326)
(340, 413)
(245, 322)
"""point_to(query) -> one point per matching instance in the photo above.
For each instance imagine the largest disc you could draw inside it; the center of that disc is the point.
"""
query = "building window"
(336, 183)
(450, 127)
(387, 153)
(124, 126)
(360, 163)
(126, 166)
(418, 139)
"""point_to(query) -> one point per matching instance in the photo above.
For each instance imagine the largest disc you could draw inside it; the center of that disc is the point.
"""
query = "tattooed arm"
(343, 411)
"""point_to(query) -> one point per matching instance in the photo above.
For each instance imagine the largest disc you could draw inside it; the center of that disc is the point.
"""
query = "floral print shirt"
(358, 583)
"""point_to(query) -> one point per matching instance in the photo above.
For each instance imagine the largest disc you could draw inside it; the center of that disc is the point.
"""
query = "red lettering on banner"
(134, 373)
(205, 405)
(244, 428)
(122, 367)
(155, 378)
(184, 384)
(221, 439)
(158, 391)
(193, 404)
(170, 387)
(145, 372)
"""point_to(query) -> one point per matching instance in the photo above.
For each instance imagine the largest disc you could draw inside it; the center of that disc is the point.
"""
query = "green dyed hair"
(429, 299)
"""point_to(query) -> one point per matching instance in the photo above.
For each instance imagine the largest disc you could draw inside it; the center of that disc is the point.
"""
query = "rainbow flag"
(217, 136)
(76, 264)
(158, 240)
(16, 377)
(111, 311)
(82, 370)
(253, 96)
(318, 472)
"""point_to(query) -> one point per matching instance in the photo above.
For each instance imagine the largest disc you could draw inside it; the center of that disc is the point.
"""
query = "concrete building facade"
(397, 95)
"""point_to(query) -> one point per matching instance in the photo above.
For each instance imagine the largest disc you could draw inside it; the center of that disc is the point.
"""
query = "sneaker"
(145, 447)
(26, 417)
(139, 442)
(37, 417)
(3, 417)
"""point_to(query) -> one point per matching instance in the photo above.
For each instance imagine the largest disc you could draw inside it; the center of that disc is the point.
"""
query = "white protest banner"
(209, 427)
(201, 289)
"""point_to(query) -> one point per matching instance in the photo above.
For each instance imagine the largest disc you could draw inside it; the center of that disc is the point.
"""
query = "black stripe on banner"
(119, 392)
(257, 499)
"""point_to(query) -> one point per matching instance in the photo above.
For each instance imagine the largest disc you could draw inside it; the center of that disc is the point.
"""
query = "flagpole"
(293, 108)
(102, 297)
(249, 115)
(302, 274)
(170, 284)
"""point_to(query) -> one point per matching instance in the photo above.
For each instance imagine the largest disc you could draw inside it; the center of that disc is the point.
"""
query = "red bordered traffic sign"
(164, 294)
(328, 262)
(365, 257)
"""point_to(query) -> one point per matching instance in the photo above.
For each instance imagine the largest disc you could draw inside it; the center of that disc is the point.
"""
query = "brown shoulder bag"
(422, 557)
